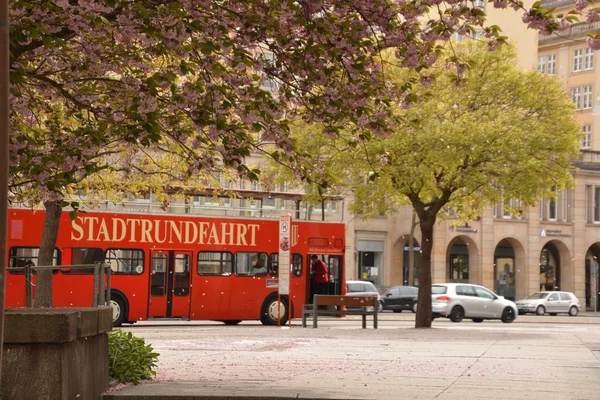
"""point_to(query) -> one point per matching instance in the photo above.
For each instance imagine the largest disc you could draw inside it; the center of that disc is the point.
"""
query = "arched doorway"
(510, 277)
(505, 277)
(462, 260)
(411, 278)
(592, 278)
(549, 267)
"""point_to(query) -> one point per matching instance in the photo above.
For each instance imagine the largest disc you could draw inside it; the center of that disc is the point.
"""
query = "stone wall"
(55, 353)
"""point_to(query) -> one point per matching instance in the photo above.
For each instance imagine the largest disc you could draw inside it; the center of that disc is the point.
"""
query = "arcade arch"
(509, 269)
(401, 259)
(592, 278)
(463, 260)
(555, 266)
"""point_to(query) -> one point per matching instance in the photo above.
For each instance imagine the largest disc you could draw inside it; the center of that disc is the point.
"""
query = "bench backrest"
(338, 300)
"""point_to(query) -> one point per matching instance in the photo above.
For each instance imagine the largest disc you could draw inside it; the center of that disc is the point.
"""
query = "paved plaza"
(533, 358)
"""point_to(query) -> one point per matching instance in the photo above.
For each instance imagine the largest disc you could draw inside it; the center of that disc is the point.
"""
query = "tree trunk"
(43, 289)
(424, 317)
(411, 251)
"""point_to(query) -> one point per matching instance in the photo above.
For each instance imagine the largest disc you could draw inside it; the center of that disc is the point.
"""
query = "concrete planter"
(55, 353)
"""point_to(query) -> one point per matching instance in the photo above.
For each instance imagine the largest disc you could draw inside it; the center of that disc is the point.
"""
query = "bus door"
(170, 284)
(334, 269)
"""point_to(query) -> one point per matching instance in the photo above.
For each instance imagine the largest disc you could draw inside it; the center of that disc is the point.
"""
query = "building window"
(479, 4)
(588, 63)
(587, 97)
(551, 64)
(597, 204)
(458, 37)
(578, 60)
(541, 64)
(576, 97)
(552, 209)
(269, 84)
(509, 209)
(268, 202)
(565, 205)
(588, 203)
(586, 140)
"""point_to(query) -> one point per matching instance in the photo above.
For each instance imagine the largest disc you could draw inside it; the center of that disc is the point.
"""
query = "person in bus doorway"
(320, 275)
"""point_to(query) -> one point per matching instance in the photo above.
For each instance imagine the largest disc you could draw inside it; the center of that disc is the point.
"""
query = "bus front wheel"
(119, 309)
(272, 309)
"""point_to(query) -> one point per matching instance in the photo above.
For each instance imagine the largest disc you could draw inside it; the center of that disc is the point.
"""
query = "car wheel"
(414, 308)
(457, 314)
(269, 312)
(508, 315)
(380, 307)
(573, 311)
(477, 320)
(540, 310)
(119, 309)
(553, 314)
(397, 311)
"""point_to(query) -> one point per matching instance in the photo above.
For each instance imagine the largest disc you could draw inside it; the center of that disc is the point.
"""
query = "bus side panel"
(249, 293)
(72, 290)
(15, 290)
(136, 290)
(210, 297)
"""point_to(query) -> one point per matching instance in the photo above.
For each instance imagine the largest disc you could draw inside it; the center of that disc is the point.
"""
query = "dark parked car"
(398, 298)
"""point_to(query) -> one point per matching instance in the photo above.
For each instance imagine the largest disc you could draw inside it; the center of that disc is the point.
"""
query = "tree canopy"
(505, 133)
(89, 75)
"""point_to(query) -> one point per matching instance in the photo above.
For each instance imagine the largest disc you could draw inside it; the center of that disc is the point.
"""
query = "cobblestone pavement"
(533, 358)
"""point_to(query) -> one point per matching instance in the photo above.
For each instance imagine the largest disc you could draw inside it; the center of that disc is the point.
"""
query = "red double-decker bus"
(184, 267)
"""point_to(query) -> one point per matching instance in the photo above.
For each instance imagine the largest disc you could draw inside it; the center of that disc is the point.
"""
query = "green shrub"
(130, 359)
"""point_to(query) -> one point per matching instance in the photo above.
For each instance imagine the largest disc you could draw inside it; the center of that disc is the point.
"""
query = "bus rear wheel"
(272, 309)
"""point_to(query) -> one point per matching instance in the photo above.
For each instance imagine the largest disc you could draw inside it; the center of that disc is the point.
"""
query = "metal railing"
(101, 290)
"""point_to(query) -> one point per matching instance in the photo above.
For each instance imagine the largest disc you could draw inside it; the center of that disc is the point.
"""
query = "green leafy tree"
(504, 133)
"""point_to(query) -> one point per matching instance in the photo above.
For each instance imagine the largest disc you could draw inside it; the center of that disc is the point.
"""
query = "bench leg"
(303, 320)
(375, 320)
(364, 321)
(314, 318)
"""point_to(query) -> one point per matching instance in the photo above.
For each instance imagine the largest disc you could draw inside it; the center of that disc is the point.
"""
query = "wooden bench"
(340, 302)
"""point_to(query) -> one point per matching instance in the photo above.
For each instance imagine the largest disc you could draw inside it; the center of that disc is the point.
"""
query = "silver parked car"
(552, 302)
(462, 300)
(364, 288)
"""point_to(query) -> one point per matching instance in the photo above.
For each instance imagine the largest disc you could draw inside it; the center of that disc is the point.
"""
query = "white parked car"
(462, 300)
(552, 302)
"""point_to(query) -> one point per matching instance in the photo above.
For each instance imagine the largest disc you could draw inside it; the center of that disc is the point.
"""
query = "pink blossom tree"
(89, 76)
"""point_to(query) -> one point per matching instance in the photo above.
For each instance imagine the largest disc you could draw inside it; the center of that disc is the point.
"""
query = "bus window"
(23, 256)
(274, 264)
(125, 261)
(215, 263)
(296, 264)
(182, 275)
(159, 275)
(251, 264)
(84, 255)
